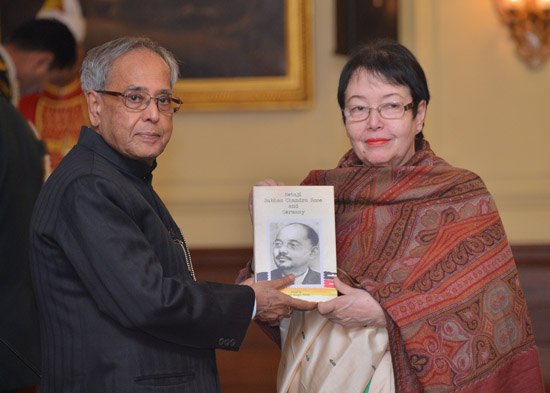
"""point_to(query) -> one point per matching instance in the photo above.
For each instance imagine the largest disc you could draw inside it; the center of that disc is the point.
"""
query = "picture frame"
(210, 38)
(285, 27)
(293, 90)
(358, 22)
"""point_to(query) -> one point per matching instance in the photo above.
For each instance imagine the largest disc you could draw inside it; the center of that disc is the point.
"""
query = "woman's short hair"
(391, 62)
(99, 60)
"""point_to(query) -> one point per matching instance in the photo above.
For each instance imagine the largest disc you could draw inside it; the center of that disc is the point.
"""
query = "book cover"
(294, 233)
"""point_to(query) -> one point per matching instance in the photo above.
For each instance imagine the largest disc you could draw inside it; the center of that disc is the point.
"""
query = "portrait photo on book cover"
(296, 248)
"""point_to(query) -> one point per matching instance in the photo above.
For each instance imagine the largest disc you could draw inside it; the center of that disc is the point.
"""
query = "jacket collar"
(93, 141)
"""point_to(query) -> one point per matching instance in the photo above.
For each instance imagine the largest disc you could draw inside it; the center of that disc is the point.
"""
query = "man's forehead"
(146, 89)
(136, 68)
(293, 231)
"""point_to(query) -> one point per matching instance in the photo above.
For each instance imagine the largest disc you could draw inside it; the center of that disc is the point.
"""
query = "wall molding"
(532, 255)
(228, 259)
(524, 193)
(262, 356)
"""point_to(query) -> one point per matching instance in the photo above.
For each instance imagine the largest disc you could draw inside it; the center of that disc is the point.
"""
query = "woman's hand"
(265, 182)
(354, 308)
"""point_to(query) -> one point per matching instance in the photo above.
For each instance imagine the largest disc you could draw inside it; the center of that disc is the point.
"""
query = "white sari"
(320, 356)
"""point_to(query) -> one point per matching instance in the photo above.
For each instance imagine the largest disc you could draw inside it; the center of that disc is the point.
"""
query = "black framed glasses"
(139, 100)
(389, 110)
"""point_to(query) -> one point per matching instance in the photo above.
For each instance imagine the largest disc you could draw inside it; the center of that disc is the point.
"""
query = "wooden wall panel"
(534, 273)
(254, 368)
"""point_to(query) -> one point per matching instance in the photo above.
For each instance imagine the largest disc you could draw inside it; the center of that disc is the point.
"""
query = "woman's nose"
(374, 120)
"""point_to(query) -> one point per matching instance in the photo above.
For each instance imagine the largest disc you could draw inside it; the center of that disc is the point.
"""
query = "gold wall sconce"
(529, 23)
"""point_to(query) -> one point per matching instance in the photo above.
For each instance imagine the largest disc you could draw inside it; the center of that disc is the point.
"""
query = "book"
(294, 232)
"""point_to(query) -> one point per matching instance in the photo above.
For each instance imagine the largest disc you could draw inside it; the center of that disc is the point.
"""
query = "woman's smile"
(377, 141)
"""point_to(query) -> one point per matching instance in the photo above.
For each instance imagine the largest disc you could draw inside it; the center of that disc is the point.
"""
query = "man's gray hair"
(99, 60)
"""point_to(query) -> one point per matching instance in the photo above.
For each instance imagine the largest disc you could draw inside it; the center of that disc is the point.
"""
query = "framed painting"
(359, 21)
(238, 54)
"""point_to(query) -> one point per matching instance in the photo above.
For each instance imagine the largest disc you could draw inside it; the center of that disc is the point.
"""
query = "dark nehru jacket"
(119, 309)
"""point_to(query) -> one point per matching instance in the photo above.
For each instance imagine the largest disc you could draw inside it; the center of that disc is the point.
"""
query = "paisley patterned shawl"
(427, 242)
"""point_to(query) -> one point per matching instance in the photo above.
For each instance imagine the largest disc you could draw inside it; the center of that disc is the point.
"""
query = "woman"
(423, 260)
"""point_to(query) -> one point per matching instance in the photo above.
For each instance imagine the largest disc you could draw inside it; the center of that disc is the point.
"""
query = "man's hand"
(271, 304)
(265, 182)
(354, 308)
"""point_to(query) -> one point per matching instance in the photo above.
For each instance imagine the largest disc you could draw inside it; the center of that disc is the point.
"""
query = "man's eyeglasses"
(139, 100)
(389, 110)
(292, 245)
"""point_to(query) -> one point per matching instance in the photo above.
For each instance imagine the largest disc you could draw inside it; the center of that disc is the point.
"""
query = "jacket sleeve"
(127, 262)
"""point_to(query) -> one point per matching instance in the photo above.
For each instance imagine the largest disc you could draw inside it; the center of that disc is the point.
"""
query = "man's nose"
(152, 111)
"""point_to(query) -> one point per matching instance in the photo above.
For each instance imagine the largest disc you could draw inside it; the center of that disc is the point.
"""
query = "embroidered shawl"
(427, 242)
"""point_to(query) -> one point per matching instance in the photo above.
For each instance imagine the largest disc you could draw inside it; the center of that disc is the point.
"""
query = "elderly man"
(119, 305)
(295, 249)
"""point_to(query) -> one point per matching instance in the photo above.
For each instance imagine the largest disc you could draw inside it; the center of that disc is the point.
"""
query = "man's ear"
(42, 61)
(95, 105)
(314, 252)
